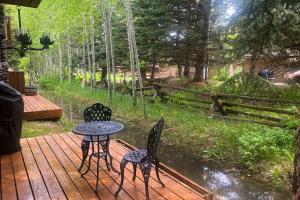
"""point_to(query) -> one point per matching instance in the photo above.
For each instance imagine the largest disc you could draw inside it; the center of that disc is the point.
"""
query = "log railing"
(230, 106)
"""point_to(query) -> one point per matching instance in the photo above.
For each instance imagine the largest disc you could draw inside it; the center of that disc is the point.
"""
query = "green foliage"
(49, 83)
(292, 123)
(267, 144)
(222, 74)
(252, 85)
(24, 64)
(263, 27)
(143, 66)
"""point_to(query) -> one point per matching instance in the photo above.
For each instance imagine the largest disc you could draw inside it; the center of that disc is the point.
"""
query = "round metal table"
(95, 132)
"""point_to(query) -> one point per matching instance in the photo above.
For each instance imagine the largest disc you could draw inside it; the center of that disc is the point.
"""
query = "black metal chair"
(144, 158)
(96, 112)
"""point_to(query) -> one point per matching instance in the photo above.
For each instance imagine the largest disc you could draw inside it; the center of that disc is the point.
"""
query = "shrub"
(222, 74)
(266, 144)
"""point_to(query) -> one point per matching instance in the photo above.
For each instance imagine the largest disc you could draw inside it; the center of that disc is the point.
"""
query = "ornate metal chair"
(96, 112)
(144, 158)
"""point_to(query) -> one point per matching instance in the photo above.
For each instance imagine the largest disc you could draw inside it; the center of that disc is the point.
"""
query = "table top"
(99, 128)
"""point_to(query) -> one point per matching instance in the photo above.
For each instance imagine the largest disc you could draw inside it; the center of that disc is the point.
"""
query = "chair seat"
(88, 138)
(135, 156)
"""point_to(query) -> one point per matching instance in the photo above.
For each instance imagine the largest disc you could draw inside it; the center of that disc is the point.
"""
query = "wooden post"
(296, 174)
(217, 105)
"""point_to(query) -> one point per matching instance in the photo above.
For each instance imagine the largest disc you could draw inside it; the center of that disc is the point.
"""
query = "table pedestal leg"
(98, 158)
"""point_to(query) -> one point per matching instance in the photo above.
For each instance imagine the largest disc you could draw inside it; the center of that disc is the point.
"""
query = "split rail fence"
(265, 111)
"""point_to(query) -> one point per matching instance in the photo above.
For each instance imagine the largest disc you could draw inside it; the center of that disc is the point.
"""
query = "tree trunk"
(84, 53)
(153, 69)
(60, 62)
(104, 76)
(179, 67)
(70, 60)
(83, 66)
(201, 61)
(296, 175)
(3, 63)
(93, 52)
(253, 62)
(186, 72)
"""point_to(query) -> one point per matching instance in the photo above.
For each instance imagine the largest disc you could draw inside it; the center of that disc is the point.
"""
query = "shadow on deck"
(46, 168)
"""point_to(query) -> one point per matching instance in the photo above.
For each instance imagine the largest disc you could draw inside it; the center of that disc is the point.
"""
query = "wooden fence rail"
(222, 107)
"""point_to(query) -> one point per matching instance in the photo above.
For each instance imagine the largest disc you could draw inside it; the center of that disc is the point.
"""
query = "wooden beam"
(26, 3)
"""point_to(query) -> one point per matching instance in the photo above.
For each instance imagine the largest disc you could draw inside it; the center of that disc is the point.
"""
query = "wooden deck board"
(38, 108)
(46, 168)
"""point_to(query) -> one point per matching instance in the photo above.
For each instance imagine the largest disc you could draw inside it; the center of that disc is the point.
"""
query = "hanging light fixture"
(25, 40)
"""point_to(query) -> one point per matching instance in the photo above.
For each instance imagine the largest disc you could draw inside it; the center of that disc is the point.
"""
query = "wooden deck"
(38, 108)
(46, 169)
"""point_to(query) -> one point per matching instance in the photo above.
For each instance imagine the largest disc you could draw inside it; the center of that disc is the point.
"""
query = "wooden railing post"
(217, 105)
(296, 174)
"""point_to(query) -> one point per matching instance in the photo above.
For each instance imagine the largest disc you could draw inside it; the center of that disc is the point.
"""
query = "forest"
(224, 73)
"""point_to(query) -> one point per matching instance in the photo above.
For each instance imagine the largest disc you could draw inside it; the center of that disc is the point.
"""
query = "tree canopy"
(193, 33)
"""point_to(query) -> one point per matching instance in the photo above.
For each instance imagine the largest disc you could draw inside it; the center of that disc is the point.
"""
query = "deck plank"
(178, 188)
(51, 181)
(7, 178)
(83, 188)
(107, 181)
(103, 192)
(128, 184)
(62, 176)
(39, 108)
(46, 168)
(22, 182)
(176, 191)
(36, 180)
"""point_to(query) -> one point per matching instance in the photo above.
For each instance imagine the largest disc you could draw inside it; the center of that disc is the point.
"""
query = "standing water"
(223, 183)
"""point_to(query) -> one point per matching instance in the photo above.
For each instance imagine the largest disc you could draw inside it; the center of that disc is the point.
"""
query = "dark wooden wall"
(17, 80)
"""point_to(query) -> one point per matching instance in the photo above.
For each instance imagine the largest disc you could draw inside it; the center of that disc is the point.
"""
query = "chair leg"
(156, 161)
(134, 171)
(146, 180)
(146, 170)
(85, 145)
(122, 168)
(105, 146)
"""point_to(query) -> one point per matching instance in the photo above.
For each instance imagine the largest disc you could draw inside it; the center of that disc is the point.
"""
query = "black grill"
(11, 118)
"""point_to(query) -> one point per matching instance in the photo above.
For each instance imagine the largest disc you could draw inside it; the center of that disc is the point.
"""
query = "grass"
(36, 128)
(265, 152)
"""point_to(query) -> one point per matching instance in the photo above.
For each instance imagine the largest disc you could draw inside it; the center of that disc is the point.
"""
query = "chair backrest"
(154, 138)
(97, 112)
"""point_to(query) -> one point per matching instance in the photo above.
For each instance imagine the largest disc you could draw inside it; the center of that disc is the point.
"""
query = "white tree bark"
(134, 58)
(60, 61)
(107, 48)
(84, 55)
(113, 65)
(93, 51)
(70, 59)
